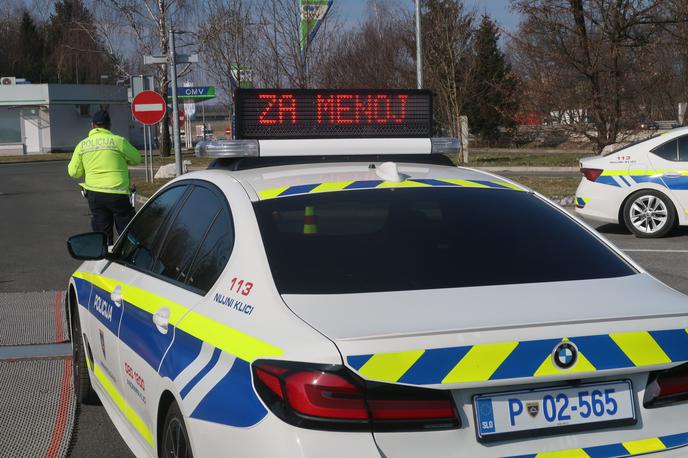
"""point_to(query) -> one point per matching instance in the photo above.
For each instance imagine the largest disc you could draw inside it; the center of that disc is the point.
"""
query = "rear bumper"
(273, 437)
(662, 430)
(599, 202)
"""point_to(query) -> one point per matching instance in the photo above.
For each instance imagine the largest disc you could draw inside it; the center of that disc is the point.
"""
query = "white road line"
(654, 251)
(148, 107)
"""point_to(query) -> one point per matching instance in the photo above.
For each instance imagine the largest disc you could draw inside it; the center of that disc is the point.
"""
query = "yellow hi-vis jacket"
(104, 158)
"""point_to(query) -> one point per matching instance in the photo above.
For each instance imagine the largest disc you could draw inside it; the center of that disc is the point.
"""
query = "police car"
(363, 297)
(643, 185)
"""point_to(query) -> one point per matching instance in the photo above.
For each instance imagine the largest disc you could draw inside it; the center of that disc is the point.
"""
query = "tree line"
(596, 69)
(64, 48)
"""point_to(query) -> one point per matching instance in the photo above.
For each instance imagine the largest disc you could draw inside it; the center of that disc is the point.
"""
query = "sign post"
(148, 107)
(172, 59)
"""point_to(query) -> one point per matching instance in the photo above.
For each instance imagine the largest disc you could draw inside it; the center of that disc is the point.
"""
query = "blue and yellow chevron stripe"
(530, 358)
(618, 450)
(629, 178)
(581, 201)
(372, 184)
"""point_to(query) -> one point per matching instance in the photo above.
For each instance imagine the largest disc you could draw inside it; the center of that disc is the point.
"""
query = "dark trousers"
(107, 208)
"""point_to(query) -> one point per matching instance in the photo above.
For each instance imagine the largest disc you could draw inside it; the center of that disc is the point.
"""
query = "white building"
(40, 118)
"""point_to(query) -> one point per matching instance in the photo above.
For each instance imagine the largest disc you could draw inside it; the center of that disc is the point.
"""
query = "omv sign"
(193, 92)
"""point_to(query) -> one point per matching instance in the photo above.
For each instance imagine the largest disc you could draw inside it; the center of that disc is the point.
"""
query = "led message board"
(328, 113)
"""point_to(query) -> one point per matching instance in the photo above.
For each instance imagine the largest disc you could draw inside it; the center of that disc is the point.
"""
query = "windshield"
(425, 238)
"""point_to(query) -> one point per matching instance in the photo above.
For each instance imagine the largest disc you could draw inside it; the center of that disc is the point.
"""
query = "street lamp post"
(175, 106)
(419, 48)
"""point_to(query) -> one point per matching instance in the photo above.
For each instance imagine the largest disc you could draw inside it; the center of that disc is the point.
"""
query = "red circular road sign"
(148, 107)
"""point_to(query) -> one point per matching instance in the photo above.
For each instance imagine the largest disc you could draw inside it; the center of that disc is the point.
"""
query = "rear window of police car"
(425, 238)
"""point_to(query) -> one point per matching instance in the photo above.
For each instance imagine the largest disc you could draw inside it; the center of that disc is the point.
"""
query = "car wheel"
(175, 438)
(83, 390)
(649, 214)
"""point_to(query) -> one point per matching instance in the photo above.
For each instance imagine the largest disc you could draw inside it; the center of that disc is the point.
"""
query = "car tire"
(83, 390)
(649, 214)
(175, 438)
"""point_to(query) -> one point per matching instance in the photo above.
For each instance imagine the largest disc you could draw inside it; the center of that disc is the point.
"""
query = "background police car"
(643, 185)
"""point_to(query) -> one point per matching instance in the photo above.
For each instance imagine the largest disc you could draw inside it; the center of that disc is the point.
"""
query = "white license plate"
(553, 410)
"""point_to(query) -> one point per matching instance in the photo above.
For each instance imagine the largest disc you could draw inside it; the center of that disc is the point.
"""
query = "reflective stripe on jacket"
(104, 158)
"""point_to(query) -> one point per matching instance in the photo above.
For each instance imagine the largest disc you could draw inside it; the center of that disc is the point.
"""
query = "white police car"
(643, 185)
(379, 305)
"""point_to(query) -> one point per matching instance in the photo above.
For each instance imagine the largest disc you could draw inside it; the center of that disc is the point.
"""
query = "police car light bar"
(327, 147)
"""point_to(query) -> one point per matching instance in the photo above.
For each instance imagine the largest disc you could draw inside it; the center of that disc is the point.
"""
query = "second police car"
(363, 297)
(643, 185)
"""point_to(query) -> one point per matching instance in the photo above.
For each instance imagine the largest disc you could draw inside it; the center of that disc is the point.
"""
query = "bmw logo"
(565, 355)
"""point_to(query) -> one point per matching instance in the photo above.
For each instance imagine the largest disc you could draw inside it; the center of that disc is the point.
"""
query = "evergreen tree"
(77, 54)
(493, 98)
(31, 49)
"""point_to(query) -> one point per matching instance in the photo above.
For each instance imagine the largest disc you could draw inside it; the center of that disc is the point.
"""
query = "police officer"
(104, 158)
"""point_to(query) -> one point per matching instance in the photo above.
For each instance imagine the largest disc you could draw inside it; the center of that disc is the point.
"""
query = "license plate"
(553, 410)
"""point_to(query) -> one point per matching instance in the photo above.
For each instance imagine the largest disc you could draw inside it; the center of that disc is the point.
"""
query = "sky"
(352, 11)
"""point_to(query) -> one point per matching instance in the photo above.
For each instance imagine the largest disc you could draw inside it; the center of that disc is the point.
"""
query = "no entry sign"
(148, 107)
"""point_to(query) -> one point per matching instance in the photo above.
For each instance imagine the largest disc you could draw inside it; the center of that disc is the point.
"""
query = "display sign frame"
(270, 114)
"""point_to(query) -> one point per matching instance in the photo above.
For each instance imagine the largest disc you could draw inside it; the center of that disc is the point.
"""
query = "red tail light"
(333, 398)
(667, 387)
(591, 174)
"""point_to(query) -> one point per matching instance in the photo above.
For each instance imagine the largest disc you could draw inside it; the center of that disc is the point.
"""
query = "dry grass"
(550, 186)
(525, 160)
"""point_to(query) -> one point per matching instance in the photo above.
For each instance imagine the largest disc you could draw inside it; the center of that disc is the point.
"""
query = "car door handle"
(116, 295)
(161, 319)
(672, 174)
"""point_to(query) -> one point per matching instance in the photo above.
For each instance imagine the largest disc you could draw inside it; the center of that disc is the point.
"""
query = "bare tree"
(281, 45)
(578, 59)
(228, 43)
(447, 36)
(148, 23)
(377, 53)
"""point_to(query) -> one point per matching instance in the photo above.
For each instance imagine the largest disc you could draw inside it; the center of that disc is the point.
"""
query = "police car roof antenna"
(389, 171)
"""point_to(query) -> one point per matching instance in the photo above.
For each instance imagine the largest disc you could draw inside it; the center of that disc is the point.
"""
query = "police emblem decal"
(565, 355)
(533, 408)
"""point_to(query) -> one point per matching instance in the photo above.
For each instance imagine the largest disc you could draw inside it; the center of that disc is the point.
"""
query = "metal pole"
(419, 48)
(145, 152)
(175, 106)
(150, 147)
(203, 109)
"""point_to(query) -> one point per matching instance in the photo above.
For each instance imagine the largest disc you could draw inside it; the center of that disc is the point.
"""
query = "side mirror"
(88, 246)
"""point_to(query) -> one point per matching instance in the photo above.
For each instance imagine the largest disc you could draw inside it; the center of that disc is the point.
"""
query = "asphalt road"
(41, 207)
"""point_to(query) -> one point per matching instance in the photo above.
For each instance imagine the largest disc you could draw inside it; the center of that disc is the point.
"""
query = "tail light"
(330, 397)
(667, 387)
(591, 174)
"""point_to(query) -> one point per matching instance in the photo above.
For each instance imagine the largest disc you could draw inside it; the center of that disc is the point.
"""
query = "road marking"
(654, 251)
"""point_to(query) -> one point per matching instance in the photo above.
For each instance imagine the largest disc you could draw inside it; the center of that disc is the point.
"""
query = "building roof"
(46, 94)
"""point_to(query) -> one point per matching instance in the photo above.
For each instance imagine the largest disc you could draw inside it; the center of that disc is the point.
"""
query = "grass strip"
(35, 158)
(525, 160)
(550, 186)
